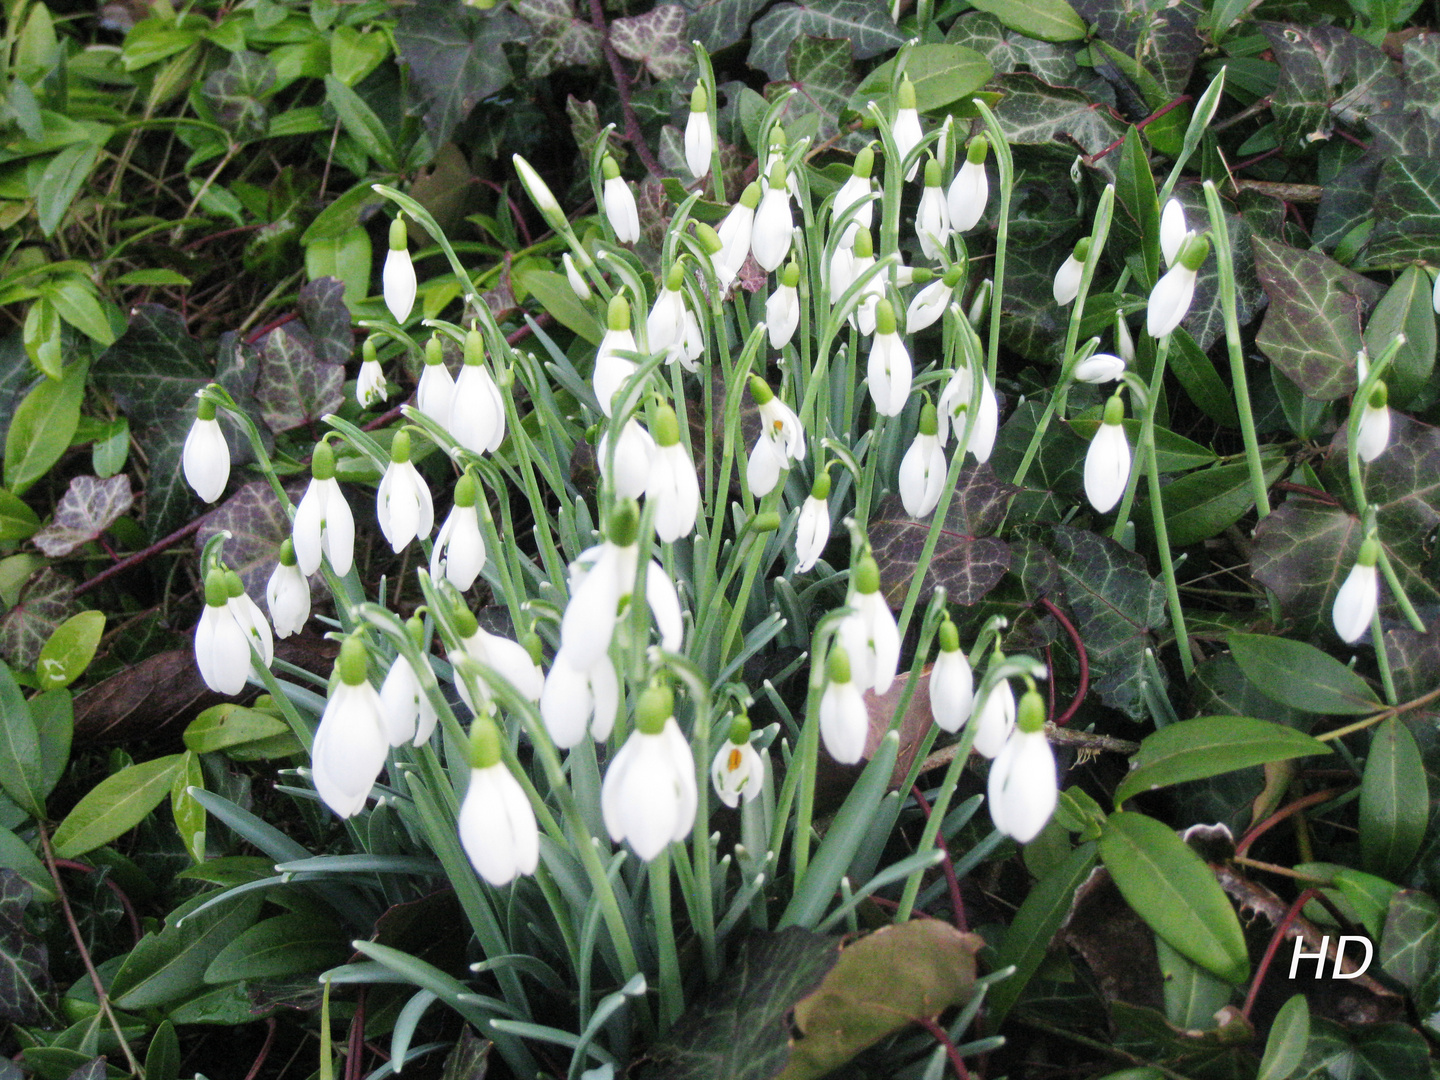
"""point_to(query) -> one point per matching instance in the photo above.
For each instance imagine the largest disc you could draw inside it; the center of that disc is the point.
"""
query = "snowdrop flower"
(922, 469)
(496, 822)
(699, 139)
(781, 441)
(952, 683)
(435, 393)
(956, 408)
(842, 272)
(774, 225)
(397, 279)
(906, 129)
(324, 524)
(459, 551)
(1172, 230)
(649, 793)
(1359, 596)
(862, 258)
(844, 720)
(812, 531)
(578, 285)
(1373, 432)
(932, 300)
(408, 714)
(1124, 343)
(970, 189)
(1022, 789)
(735, 237)
(402, 502)
(1099, 368)
(611, 370)
(251, 620)
(574, 697)
(774, 155)
(980, 303)
(671, 327)
(782, 309)
(540, 194)
(889, 369)
(1170, 299)
(370, 389)
(857, 189)
(737, 771)
(994, 719)
(1067, 278)
(288, 593)
(932, 217)
(634, 454)
(672, 485)
(477, 413)
(620, 209)
(206, 457)
(1107, 462)
(869, 633)
(225, 636)
(506, 657)
(350, 744)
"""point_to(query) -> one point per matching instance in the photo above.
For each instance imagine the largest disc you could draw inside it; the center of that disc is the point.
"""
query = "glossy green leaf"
(162, 1059)
(553, 292)
(1196, 373)
(1048, 20)
(222, 726)
(1406, 308)
(19, 748)
(941, 74)
(1192, 995)
(1136, 203)
(1208, 746)
(67, 654)
(1289, 1036)
(170, 965)
(115, 806)
(17, 855)
(1205, 504)
(54, 714)
(42, 428)
(281, 946)
(1297, 674)
(361, 123)
(1410, 941)
(61, 181)
(1171, 888)
(1394, 801)
(188, 813)
(17, 520)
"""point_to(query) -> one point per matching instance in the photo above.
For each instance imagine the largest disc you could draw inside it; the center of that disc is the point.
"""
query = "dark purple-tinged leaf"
(470, 1058)
(657, 39)
(1414, 659)
(46, 601)
(866, 24)
(257, 524)
(24, 960)
(966, 560)
(1327, 75)
(154, 368)
(561, 39)
(1206, 321)
(322, 307)
(1119, 611)
(1365, 1052)
(740, 1029)
(1311, 330)
(1410, 942)
(1035, 114)
(237, 92)
(823, 76)
(88, 507)
(456, 58)
(719, 23)
(296, 385)
(1172, 43)
(1407, 213)
(1302, 553)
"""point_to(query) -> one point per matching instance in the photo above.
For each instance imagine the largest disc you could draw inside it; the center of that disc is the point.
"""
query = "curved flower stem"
(1382, 659)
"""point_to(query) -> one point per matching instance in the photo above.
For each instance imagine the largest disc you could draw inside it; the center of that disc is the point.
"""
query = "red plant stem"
(355, 1055)
(1181, 100)
(1255, 160)
(514, 210)
(140, 556)
(1313, 799)
(957, 903)
(1084, 687)
(943, 1038)
(264, 1049)
(1314, 493)
(258, 334)
(71, 864)
(1275, 939)
(622, 89)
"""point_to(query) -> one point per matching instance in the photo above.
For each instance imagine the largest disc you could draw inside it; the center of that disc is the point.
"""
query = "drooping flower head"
(409, 716)
(1373, 434)
(857, 189)
(812, 531)
(781, 441)
(774, 226)
(1099, 368)
(952, 683)
(922, 469)
(435, 392)
(620, 208)
(1107, 461)
(225, 635)
(324, 524)
(459, 552)
(477, 414)
(734, 235)
(402, 502)
(889, 370)
(671, 327)
(782, 309)
(205, 459)
(1067, 278)
(649, 794)
(933, 299)
(869, 633)
(906, 128)
(970, 189)
(1022, 789)
(994, 719)
(1172, 230)
(350, 744)
(1170, 299)
(496, 822)
(397, 278)
(932, 217)
(1359, 596)
(844, 720)
(612, 370)
(516, 662)
(738, 772)
(699, 139)
(370, 388)
(288, 593)
(578, 285)
(975, 415)
(672, 485)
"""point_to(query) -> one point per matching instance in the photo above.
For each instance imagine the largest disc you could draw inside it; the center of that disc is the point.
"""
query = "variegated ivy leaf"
(657, 39)
(866, 24)
(46, 600)
(88, 507)
(257, 523)
(561, 38)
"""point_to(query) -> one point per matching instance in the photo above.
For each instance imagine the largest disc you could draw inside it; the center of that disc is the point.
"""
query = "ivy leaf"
(1382, 1051)
(24, 960)
(257, 524)
(168, 499)
(88, 507)
(561, 39)
(866, 24)
(154, 367)
(966, 560)
(1172, 43)
(823, 75)
(1311, 331)
(1414, 659)
(741, 1028)
(718, 24)
(322, 307)
(295, 385)
(46, 600)
(1033, 113)
(1206, 320)
(656, 38)
(237, 94)
(1118, 610)
(1006, 50)
(1407, 212)
(1326, 74)
(457, 58)
(1303, 550)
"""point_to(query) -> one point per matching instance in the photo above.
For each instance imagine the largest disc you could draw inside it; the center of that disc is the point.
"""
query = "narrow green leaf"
(19, 747)
(555, 296)
(162, 1060)
(188, 813)
(61, 181)
(1297, 674)
(1394, 801)
(115, 806)
(17, 520)
(1289, 1036)
(1138, 205)
(1171, 888)
(170, 965)
(1048, 20)
(361, 123)
(285, 945)
(1407, 307)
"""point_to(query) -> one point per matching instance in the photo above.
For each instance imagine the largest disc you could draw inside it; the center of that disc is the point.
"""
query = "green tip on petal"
(699, 99)
(617, 316)
(1115, 410)
(233, 585)
(864, 246)
(1194, 253)
(932, 173)
(866, 575)
(353, 661)
(864, 163)
(949, 637)
(322, 462)
(287, 552)
(905, 96)
(1369, 552)
(1030, 716)
(740, 730)
(434, 350)
(709, 239)
(977, 150)
(777, 176)
(367, 351)
(750, 197)
(608, 168)
(929, 420)
(465, 490)
(656, 705)
(821, 488)
(399, 237)
(400, 447)
(837, 665)
(769, 521)
(216, 590)
(415, 629)
(665, 427)
(760, 390)
(466, 625)
(624, 523)
(1082, 249)
(474, 347)
(204, 409)
(676, 277)
(532, 644)
(953, 276)
(884, 317)
(1379, 394)
(484, 742)
(778, 137)
(790, 275)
